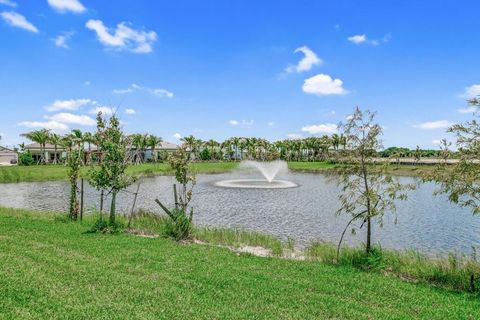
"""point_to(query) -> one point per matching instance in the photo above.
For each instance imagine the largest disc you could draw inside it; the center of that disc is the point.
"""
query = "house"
(7, 156)
(50, 151)
(163, 147)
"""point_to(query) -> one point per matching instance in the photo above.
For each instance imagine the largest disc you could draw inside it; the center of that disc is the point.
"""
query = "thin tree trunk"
(112, 208)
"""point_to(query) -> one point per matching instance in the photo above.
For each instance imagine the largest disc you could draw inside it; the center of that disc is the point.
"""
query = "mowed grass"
(59, 172)
(53, 269)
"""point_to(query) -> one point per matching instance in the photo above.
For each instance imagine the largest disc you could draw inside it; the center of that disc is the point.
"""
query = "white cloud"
(52, 125)
(17, 20)
(130, 111)
(308, 61)
(432, 125)
(87, 83)
(63, 6)
(362, 38)
(436, 141)
(471, 92)
(358, 38)
(270, 123)
(103, 109)
(322, 85)
(177, 136)
(70, 118)
(164, 93)
(244, 123)
(62, 39)
(71, 104)
(471, 109)
(294, 136)
(8, 3)
(327, 128)
(123, 37)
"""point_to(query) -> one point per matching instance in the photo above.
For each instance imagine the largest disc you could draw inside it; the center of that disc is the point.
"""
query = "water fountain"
(269, 170)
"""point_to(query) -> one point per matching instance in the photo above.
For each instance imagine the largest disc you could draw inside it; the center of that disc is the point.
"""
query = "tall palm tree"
(212, 144)
(55, 140)
(41, 137)
(89, 138)
(152, 142)
(140, 143)
(192, 143)
(335, 141)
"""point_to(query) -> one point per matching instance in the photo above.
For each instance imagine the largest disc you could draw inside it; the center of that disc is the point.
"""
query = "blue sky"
(216, 69)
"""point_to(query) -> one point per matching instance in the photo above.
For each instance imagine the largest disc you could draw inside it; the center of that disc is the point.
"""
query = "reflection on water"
(425, 222)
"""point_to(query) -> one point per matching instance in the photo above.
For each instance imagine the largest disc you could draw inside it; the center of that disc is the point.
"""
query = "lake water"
(306, 213)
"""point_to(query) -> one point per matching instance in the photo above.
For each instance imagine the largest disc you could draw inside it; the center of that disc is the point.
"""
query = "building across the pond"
(7, 156)
(50, 151)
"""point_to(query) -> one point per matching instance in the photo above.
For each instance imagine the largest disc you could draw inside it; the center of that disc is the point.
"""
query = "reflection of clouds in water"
(306, 213)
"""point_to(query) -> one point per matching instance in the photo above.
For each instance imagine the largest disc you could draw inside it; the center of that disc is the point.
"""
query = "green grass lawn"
(59, 172)
(52, 269)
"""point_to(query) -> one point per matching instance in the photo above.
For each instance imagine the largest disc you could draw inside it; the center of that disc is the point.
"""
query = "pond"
(306, 213)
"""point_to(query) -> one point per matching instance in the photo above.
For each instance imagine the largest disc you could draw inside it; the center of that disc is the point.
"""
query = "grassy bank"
(53, 269)
(319, 167)
(59, 172)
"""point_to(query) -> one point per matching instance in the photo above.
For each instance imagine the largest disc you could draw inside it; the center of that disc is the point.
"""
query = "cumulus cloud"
(234, 122)
(52, 125)
(130, 111)
(103, 109)
(123, 37)
(70, 118)
(432, 125)
(309, 60)
(164, 93)
(471, 91)
(64, 6)
(71, 104)
(327, 128)
(362, 38)
(61, 40)
(270, 123)
(322, 85)
(17, 20)
(8, 3)
(177, 136)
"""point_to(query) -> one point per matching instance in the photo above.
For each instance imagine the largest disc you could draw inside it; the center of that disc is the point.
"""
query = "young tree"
(74, 163)
(110, 174)
(461, 180)
(367, 193)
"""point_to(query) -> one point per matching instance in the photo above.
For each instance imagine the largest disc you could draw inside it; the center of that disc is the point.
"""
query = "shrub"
(179, 226)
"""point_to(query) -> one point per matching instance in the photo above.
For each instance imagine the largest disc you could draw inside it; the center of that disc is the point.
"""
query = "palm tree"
(41, 137)
(335, 141)
(212, 144)
(89, 138)
(55, 140)
(192, 143)
(140, 143)
(236, 142)
(152, 142)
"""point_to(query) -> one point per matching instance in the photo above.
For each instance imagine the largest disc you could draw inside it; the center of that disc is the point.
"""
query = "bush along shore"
(51, 266)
